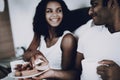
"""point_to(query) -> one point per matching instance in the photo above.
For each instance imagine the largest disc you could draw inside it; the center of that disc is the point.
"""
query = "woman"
(56, 44)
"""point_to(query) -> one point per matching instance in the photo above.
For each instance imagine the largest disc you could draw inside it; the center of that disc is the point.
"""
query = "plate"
(12, 74)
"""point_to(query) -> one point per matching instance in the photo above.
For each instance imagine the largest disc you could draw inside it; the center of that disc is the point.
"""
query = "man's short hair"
(105, 2)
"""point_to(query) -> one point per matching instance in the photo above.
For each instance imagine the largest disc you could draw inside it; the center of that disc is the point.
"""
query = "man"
(99, 39)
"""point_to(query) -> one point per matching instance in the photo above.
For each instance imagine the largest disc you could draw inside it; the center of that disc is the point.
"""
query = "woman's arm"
(33, 46)
(68, 47)
(35, 43)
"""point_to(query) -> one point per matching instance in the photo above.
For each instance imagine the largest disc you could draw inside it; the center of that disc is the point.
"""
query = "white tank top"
(53, 53)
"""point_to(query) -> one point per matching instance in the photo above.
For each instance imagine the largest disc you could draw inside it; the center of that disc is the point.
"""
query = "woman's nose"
(54, 14)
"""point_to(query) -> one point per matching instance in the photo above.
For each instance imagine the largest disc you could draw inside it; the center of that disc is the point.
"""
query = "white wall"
(2, 5)
(74, 4)
(21, 15)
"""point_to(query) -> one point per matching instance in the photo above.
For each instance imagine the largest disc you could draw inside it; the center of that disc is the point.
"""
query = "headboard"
(77, 17)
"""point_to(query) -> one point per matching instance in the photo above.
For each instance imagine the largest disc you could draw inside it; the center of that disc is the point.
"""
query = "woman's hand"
(48, 74)
(29, 54)
(39, 61)
(109, 70)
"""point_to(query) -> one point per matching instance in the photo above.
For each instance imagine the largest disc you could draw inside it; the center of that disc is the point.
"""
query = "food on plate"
(26, 72)
(23, 69)
(18, 73)
(31, 68)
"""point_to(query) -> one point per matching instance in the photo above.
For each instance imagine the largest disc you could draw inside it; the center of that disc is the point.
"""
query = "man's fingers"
(107, 62)
(102, 69)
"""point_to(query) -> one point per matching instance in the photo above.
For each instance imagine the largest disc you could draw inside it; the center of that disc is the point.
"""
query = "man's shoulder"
(86, 25)
(83, 28)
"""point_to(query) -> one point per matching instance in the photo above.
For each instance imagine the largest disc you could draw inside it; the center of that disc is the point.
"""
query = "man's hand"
(109, 70)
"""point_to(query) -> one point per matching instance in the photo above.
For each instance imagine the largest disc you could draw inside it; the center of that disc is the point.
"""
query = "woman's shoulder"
(68, 36)
(68, 41)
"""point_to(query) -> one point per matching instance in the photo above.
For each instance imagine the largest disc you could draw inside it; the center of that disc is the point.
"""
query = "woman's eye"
(59, 10)
(48, 11)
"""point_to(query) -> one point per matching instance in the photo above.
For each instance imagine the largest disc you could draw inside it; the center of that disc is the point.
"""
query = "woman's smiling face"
(54, 13)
